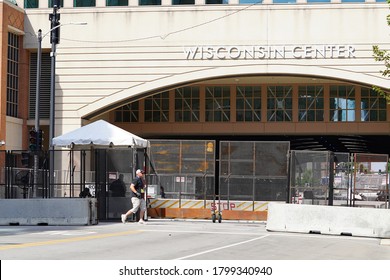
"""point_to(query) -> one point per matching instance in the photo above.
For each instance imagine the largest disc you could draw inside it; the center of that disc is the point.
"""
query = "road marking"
(203, 232)
(223, 247)
(67, 240)
(64, 232)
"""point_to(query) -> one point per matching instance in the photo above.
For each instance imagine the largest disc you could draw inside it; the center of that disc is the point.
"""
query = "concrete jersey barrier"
(53, 211)
(334, 220)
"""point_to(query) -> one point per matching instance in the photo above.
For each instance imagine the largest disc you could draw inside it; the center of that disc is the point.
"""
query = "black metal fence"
(341, 179)
(312, 177)
(77, 173)
(183, 169)
(253, 171)
(200, 170)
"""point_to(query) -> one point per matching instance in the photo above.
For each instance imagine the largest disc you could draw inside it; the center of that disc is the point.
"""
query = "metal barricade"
(253, 171)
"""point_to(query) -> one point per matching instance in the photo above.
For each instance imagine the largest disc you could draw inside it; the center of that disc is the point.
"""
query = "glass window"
(217, 1)
(373, 106)
(217, 104)
(29, 4)
(279, 103)
(84, 3)
(12, 75)
(183, 2)
(128, 113)
(250, 2)
(248, 104)
(187, 104)
(318, 1)
(50, 3)
(149, 2)
(311, 103)
(117, 3)
(157, 108)
(284, 1)
(342, 103)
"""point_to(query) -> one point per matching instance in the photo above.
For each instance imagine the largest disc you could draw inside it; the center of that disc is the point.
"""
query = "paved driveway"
(181, 240)
(185, 250)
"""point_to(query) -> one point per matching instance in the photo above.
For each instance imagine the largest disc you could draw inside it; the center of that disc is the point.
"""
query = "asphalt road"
(181, 240)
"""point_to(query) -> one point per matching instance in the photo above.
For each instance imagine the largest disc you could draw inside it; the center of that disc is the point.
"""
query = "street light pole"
(54, 32)
(37, 98)
(54, 17)
(38, 85)
(52, 101)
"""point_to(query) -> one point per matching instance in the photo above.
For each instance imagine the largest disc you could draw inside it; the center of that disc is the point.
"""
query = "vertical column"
(358, 107)
(326, 103)
(100, 3)
(233, 109)
(202, 104)
(43, 4)
(67, 3)
(264, 95)
(133, 3)
(295, 110)
(171, 106)
(141, 117)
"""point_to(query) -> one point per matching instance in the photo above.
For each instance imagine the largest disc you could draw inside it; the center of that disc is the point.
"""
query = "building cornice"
(12, 5)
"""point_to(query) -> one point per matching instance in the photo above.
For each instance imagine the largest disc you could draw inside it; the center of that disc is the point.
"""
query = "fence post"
(331, 178)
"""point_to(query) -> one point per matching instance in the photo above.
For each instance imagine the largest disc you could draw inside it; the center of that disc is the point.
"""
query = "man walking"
(137, 197)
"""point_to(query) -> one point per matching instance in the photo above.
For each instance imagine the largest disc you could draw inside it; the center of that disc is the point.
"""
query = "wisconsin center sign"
(270, 52)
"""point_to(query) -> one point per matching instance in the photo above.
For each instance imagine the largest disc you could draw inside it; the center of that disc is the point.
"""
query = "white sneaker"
(123, 218)
(141, 222)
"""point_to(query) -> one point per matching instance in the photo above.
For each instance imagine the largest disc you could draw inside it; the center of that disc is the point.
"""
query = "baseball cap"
(139, 171)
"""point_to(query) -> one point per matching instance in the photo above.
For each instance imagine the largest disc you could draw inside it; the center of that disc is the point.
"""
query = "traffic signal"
(40, 140)
(33, 140)
(25, 159)
(54, 26)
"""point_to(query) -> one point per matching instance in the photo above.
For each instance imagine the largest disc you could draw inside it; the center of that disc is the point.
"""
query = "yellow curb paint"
(67, 240)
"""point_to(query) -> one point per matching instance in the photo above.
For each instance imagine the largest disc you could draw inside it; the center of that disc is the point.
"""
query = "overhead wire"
(164, 36)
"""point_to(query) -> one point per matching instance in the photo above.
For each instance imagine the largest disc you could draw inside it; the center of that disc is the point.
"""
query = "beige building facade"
(211, 70)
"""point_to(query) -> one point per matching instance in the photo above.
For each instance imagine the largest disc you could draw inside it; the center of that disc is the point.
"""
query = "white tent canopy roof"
(100, 133)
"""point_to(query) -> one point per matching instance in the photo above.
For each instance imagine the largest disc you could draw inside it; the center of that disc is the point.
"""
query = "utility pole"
(54, 31)
(54, 39)
(37, 100)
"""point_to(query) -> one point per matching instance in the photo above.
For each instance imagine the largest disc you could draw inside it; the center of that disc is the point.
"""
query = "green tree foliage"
(383, 56)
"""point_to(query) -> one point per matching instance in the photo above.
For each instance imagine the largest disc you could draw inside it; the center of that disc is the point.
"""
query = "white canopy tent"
(100, 133)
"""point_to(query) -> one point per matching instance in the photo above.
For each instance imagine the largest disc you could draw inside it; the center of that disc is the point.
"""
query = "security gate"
(311, 177)
(340, 179)
(253, 171)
